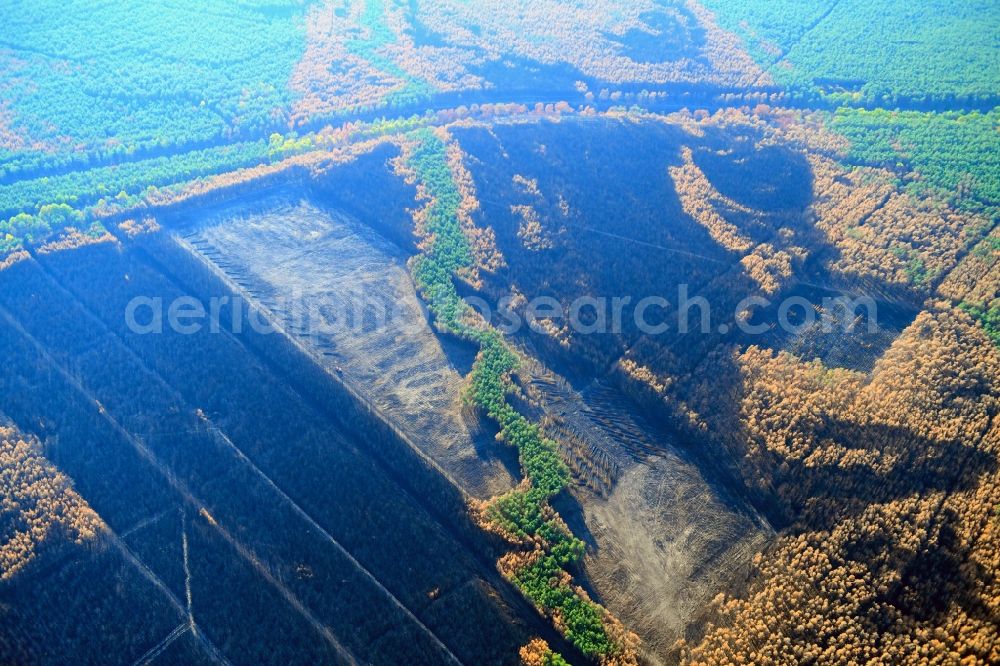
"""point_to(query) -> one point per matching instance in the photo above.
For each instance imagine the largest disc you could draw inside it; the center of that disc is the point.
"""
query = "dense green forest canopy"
(106, 78)
(877, 50)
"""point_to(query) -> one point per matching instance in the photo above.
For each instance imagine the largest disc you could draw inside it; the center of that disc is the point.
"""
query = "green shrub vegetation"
(49, 220)
(32, 228)
(957, 153)
(555, 659)
(988, 316)
(525, 513)
(121, 187)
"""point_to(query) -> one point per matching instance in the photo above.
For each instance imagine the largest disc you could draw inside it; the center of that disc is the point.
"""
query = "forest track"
(210, 648)
(487, 566)
(146, 522)
(336, 544)
(220, 436)
(808, 28)
(160, 647)
(185, 494)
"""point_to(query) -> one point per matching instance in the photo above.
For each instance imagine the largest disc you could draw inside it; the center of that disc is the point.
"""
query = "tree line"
(547, 550)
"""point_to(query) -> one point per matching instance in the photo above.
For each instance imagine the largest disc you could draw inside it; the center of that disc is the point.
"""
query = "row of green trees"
(41, 206)
(28, 205)
(82, 188)
(524, 513)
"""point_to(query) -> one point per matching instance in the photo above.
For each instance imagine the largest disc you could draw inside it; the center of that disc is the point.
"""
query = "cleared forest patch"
(663, 537)
(346, 293)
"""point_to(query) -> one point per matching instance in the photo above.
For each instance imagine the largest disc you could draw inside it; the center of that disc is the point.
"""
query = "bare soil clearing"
(345, 292)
